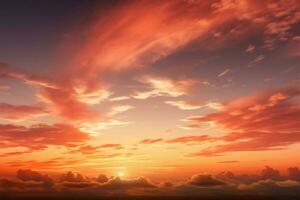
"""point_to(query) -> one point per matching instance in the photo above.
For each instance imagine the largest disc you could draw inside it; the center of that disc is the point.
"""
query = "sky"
(169, 90)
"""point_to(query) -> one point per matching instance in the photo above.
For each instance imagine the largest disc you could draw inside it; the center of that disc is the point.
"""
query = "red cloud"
(41, 136)
(199, 185)
(20, 112)
(264, 121)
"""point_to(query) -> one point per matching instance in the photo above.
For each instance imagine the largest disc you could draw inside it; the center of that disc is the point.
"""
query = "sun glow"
(121, 174)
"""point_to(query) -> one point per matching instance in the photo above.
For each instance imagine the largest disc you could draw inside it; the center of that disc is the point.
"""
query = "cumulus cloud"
(224, 184)
(102, 178)
(270, 173)
(205, 181)
(294, 173)
(29, 175)
(72, 177)
(120, 109)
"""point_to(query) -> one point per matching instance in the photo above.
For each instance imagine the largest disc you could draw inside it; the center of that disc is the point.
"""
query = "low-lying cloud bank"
(268, 183)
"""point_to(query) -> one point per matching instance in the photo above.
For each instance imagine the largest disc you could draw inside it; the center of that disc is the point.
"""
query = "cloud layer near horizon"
(268, 182)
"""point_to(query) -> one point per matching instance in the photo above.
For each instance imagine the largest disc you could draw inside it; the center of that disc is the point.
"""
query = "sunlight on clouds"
(120, 109)
(165, 87)
(91, 97)
(96, 128)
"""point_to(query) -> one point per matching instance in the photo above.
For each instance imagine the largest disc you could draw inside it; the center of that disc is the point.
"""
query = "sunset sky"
(159, 89)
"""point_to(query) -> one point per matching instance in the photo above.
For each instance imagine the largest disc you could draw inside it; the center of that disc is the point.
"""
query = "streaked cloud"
(223, 73)
(165, 87)
(20, 112)
(185, 105)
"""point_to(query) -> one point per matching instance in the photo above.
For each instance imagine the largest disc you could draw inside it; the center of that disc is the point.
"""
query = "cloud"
(286, 16)
(223, 73)
(151, 141)
(117, 183)
(61, 97)
(41, 136)
(88, 149)
(72, 177)
(20, 112)
(8, 72)
(65, 102)
(185, 105)
(120, 109)
(165, 87)
(224, 184)
(264, 121)
(29, 175)
(142, 40)
(228, 161)
(191, 126)
(91, 97)
(102, 178)
(95, 127)
(257, 59)
(270, 173)
(205, 181)
(272, 187)
(250, 48)
(182, 140)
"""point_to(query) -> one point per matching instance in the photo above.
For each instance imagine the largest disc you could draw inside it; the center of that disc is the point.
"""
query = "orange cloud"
(227, 185)
(88, 149)
(29, 175)
(20, 112)
(165, 87)
(40, 136)
(182, 140)
(185, 105)
(264, 121)
(134, 36)
(151, 141)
